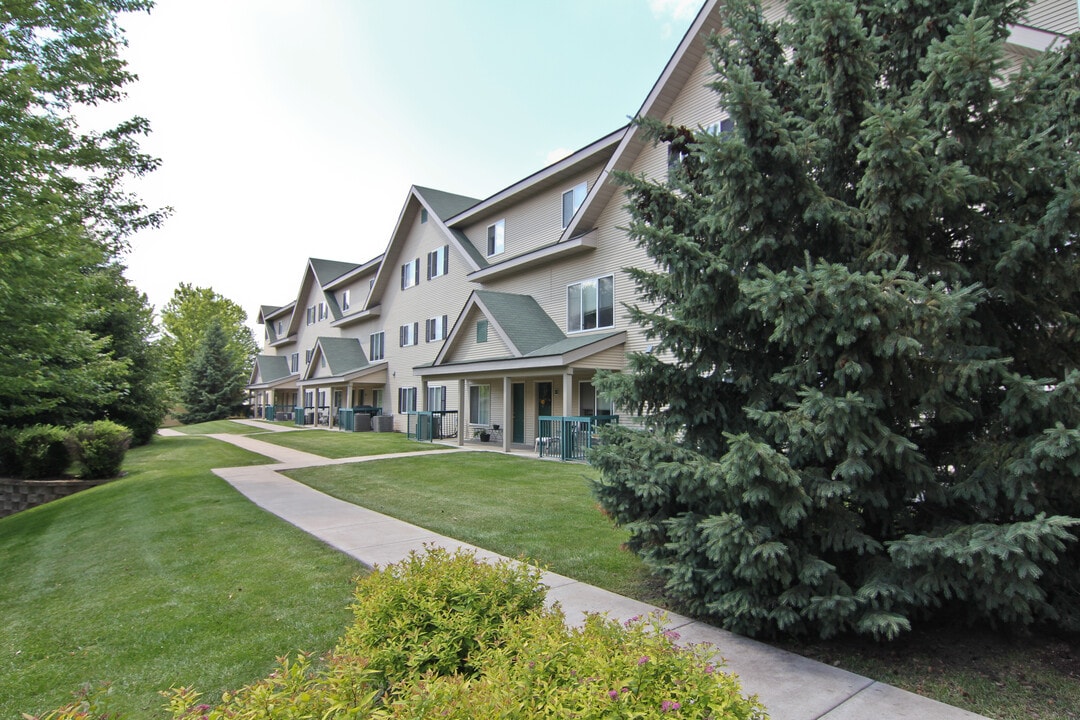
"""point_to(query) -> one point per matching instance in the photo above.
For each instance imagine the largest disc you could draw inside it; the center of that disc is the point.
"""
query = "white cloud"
(675, 9)
(556, 155)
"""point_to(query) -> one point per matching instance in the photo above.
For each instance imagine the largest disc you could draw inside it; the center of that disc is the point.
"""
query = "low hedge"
(41, 452)
(100, 446)
(445, 635)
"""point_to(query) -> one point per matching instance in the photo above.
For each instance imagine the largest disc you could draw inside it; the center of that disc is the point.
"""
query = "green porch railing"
(428, 425)
(569, 438)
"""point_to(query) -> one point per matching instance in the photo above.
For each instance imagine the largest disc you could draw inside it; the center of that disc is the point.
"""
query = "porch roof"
(270, 371)
(560, 353)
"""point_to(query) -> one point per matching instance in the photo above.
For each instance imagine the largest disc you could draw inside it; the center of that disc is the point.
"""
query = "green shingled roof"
(343, 355)
(327, 270)
(568, 344)
(272, 368)
(446, 205)
(522, 319)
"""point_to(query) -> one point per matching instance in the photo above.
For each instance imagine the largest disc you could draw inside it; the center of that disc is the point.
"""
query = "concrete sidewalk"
(790, 686)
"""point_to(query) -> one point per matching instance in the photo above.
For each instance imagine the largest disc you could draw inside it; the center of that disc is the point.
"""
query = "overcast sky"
(290, 130)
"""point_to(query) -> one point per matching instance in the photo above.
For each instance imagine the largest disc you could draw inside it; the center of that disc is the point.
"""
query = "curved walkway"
(790, 686)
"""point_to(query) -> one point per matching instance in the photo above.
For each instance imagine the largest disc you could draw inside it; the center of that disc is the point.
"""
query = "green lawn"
(218, 426)
(165, 577)
(544, 510)
(511, 505)
(344, 444)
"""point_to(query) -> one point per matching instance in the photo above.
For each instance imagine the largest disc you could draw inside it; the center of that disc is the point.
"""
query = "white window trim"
(410, 277)
(496, 245)
(435, 328)
(483, 393)
(575, 201)
(381, 343)
(408, 334)
(614, 304)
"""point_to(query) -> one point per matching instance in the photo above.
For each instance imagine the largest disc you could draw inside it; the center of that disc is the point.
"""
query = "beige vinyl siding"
(533, 222)
(466, 349)
(611, 359)
(444, 295)
(1058, 16)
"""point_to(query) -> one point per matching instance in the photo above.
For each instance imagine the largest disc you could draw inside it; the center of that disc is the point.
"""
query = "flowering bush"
(446, 636)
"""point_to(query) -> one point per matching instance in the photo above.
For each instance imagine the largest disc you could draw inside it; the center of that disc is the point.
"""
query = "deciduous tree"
(64, 213)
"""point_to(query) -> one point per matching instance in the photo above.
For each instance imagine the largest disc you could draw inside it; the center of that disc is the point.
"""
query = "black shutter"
(445, 259)
(402, 277)
(416, 330)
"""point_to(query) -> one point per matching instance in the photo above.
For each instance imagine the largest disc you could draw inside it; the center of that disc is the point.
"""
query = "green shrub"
(433, 611)
(41, 452)
(100, 447)
(442, 635)
(604, 669)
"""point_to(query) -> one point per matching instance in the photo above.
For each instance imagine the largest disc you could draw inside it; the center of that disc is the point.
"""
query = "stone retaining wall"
(16, 495)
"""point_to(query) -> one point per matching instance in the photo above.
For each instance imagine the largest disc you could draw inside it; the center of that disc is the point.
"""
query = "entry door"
(543, 399)
(517, 410)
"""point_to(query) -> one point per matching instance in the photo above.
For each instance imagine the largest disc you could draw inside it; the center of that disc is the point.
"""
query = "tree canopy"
(185, 319)
(212, 387)
(64, 212)
(865, 385)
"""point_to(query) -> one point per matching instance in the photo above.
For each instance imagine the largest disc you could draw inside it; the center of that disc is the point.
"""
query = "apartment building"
(500, 311)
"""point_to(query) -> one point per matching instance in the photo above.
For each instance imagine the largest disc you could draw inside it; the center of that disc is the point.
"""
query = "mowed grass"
(514, 506)
(345, 444)
(545, 511)
(217, 426)
(166, 577)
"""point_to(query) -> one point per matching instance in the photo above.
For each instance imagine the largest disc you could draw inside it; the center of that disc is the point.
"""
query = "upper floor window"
(377, 346)
(496, 238)
(311, 318)
(345, 298)
(280, 327)
(324, 311)
(435, 328)
(408, 334)
(294, 362)
(410, 273)
(571, 201)
(438, 262)
(307, 355)
(590, 304)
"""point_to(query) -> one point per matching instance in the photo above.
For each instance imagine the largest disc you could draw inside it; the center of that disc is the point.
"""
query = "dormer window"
(571, 201)
(345, 299)
(496, 238)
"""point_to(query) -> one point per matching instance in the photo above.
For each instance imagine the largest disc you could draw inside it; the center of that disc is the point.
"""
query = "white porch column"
(568, 392)
(422, 401)
(506, 430)
(463, 411)
(348, 395)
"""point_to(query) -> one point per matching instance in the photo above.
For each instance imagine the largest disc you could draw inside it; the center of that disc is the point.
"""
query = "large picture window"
(592, 402)
(590, 304)
(480, 404)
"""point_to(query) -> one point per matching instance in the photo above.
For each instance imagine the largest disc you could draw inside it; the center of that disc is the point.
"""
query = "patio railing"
(568, 438)
(428, 425)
